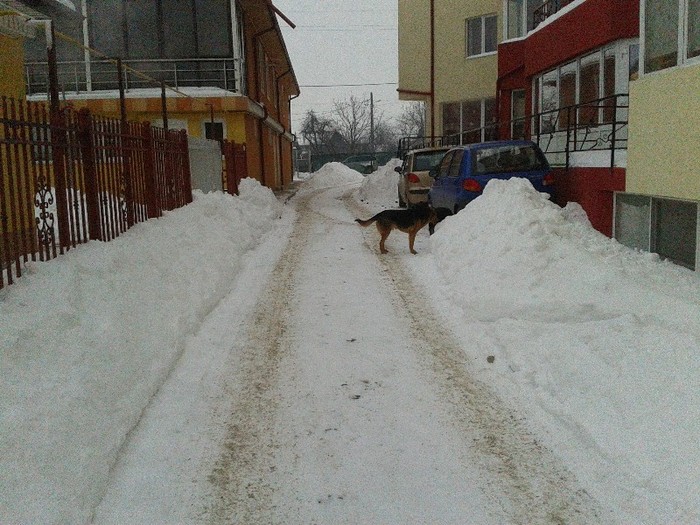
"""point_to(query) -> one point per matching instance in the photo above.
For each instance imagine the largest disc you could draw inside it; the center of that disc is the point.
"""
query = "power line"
(349, 85)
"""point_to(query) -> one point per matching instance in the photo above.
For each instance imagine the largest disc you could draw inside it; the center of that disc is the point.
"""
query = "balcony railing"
(595, 126)
(99, 75)
(547, 9)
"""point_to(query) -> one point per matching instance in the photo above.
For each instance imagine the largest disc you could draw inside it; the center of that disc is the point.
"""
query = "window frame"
(683, 35)
(482, 45)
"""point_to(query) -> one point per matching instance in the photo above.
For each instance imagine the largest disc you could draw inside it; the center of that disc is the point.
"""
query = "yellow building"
(13, 31)
(659, 210)
(448, 59)
(226, 59)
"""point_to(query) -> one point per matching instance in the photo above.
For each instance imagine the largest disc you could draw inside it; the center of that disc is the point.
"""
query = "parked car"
(465, 170)
(414, 174)
(365, 163)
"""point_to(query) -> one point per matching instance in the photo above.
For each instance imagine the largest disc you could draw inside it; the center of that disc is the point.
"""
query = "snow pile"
(87, 339)
(381, 187)
(331, 175)
(597, 341)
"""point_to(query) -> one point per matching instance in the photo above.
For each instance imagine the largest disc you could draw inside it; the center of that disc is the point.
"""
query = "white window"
(519, 17)
(482, 35)
(671, 33)
(472, 120)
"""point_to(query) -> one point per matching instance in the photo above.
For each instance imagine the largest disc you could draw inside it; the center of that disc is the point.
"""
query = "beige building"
(659, 210)
(448, 59)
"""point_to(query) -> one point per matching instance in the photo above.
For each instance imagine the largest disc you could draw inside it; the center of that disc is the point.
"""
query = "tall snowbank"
(70, 382)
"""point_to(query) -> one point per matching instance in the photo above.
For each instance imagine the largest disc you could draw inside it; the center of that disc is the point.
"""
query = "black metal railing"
(597, 125)
(99, 75)
(547, 9)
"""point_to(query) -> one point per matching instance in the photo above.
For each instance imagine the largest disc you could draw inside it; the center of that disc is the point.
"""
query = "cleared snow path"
(342, 423)
(339, 400)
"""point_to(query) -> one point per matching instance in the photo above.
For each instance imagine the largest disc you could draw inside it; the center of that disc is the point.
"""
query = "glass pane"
(143, 31)
(514, 21)
(213, 28)
(550, 101)
(674, 231)
(634, 62)
(471, 121)
(106, 22)
(609, 85)
(632, 216)
(490, 120)
(589, 89)
(517, 114)
(567, 93)
(491, 30)
(179, 29)
(474, 36)
(693, 28)
(456, 163)
(532, 5)
(661, 34)
(450, 118)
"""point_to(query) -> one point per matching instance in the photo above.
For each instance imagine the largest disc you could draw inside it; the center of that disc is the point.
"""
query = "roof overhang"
(14, 16)
(264, 16)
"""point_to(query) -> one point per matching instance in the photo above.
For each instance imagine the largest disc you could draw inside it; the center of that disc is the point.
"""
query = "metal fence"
(599, 125)
(82, 77)
(234, 165)
(68, 177)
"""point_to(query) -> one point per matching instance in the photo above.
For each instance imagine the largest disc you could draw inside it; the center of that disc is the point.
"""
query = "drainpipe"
(432, 68)
(256, 37)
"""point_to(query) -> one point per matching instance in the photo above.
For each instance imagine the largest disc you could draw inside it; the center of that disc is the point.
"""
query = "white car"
(414, 174)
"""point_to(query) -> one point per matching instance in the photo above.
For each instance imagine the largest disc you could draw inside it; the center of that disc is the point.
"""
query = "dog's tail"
(365, 223)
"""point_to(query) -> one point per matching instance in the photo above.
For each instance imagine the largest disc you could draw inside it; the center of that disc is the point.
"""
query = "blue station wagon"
(465, 170)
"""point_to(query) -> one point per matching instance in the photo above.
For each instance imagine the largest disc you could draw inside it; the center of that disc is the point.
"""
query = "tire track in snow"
(521, 476)
(241, 494)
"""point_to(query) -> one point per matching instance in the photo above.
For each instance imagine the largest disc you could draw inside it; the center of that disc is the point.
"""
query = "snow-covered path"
(345, 403)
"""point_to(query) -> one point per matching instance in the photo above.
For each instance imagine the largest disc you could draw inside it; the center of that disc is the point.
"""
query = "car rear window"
(509, 158)
(428, 160)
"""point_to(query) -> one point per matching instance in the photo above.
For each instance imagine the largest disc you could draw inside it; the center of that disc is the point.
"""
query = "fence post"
(152, 208)
(126, 147)
(187, 175)
(58, 147)
(87, 150)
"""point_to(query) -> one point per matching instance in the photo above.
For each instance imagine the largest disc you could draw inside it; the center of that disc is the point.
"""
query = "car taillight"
(548, 180)
(471, 185)
(413, 178)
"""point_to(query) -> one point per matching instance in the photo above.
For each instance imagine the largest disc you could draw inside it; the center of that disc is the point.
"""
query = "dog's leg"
(384, 232)
(411, 239)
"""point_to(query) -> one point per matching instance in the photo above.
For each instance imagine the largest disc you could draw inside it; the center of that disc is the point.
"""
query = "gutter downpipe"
(261, 142)
(432, 68)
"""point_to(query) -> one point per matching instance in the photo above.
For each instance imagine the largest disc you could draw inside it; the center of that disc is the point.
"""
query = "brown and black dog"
(409, 221)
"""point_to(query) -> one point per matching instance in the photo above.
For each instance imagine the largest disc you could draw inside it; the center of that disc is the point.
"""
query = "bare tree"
(352, 121)
(411, 122)
(317, 131)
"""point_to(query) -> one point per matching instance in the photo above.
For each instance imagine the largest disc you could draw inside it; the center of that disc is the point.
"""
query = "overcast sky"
(338, 43)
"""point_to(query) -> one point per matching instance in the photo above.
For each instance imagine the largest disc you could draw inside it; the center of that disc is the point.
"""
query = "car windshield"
(428, 160)
(508, 158)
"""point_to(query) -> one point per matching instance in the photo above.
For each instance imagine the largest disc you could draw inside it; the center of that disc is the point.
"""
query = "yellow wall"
(457, 78)
(664, 133)
(11, 67)
(414, 47)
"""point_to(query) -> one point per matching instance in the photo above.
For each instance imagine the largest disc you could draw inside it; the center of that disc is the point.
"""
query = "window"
(671, 33)
(482, 35)
(152, 29)
(590, 82)
(472, 120)
(517, 114)
(664, 226)
(519, 17)
(214, 130)
(456, 163)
